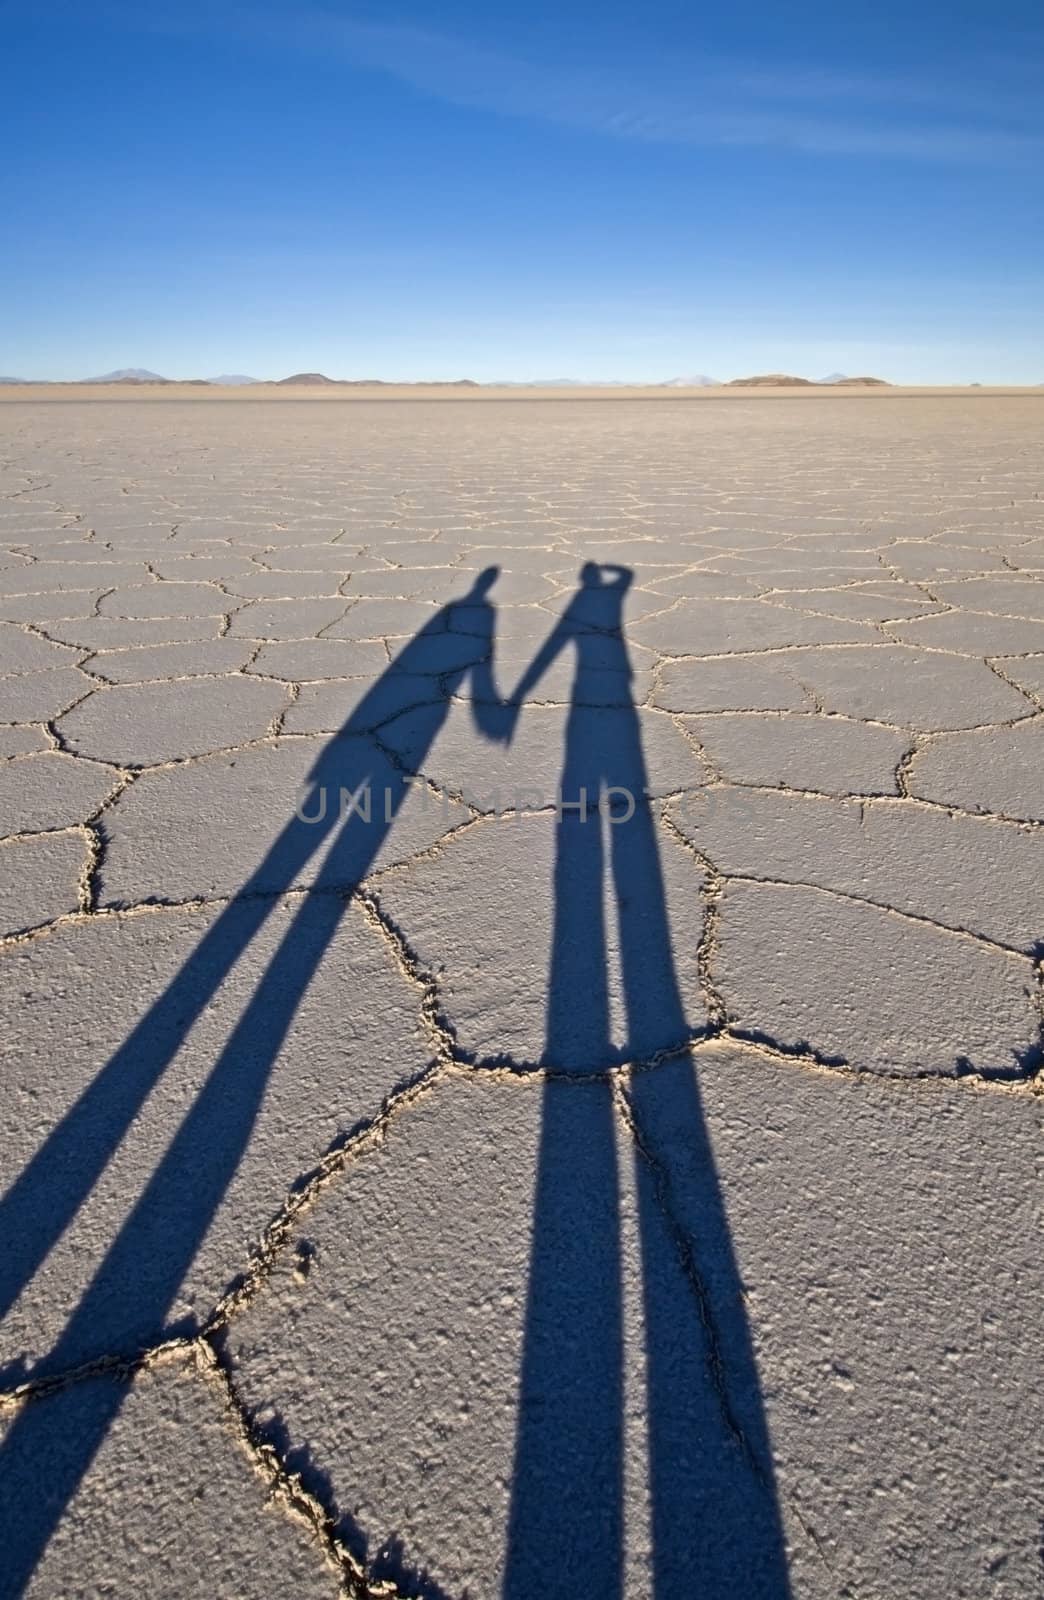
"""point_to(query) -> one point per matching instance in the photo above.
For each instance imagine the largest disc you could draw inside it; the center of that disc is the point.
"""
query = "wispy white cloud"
(711, 102)
(725, 104)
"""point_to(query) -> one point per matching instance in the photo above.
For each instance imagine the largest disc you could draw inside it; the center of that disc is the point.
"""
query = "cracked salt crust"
(171, 1506)
(794, 637)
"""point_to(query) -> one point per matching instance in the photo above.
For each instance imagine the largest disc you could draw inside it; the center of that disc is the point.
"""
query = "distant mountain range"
(239, 380)
(141, 375)
(128, 375)
(309, 380)
(700, 380)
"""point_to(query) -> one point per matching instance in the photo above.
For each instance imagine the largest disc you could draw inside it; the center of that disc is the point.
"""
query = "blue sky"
(593, 190)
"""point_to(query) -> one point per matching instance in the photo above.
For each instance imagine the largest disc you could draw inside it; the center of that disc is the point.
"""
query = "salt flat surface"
(520, 965)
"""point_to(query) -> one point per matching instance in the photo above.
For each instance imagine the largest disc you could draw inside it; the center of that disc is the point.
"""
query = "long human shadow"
(714, 1522)
(126, 1305)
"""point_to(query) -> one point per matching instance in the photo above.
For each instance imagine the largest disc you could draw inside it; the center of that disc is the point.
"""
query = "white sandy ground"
(836, 644)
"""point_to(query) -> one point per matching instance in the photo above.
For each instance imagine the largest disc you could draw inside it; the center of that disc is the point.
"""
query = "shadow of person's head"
(605, 575)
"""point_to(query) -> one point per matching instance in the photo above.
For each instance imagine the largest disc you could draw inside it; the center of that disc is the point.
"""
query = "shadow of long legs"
(715, 1523)
(565, 1532)
(135, 1286)
(713, 1507)
(565, 1535)
(714, 1526)
(52, 1187)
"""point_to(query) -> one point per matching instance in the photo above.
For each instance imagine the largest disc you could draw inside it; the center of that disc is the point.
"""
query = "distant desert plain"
(452, 392)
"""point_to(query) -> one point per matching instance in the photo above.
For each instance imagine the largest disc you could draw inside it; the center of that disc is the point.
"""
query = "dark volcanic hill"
(771, 380)
(311, 378)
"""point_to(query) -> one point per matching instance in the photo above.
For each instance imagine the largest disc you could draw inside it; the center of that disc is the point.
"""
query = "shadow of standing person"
(713, 1518)
(124, 1308)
